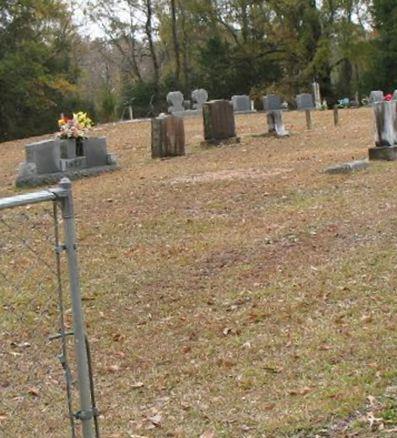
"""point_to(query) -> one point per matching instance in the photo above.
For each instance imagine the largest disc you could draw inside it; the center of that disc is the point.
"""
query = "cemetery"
(244, 273)
(197, 219)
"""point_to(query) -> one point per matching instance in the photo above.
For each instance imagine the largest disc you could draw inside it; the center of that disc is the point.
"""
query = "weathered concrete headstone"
(376, 96)
(50, 160)
(199, 97)
(385, 128)
(219, 123)
(273, 107)
(176, 100)
(242, 104)
(305, 103)
(168, 136)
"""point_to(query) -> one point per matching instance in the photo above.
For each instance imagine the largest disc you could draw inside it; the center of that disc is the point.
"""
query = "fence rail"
(17, 296)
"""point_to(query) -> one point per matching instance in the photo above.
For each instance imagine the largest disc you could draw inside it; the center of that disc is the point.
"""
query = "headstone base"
(245, 112)
(385, 153)
(224, 142)
(187, 113)
(25, 180)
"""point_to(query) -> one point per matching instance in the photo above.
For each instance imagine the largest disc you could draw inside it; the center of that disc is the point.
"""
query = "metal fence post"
(86, 414)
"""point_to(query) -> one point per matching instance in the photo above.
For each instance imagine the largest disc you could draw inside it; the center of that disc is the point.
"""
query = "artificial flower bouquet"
(75, 127)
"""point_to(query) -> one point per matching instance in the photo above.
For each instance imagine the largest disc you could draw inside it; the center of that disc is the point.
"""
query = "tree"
(385, 67)
(37, 72)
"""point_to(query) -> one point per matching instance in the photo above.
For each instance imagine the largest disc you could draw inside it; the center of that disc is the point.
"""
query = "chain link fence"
(46, 385)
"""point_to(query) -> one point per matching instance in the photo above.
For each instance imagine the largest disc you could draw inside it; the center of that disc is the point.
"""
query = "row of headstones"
(179, 106)
(241, 103)
(168, 134)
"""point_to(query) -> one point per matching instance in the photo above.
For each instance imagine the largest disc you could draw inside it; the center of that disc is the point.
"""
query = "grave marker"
(219, 123)
(168, 136)
(242, 104)
(50, 160)
(305, 103)
(317, 95)
(176, 100)
(273, 107)
(199, 97)
(385, 128)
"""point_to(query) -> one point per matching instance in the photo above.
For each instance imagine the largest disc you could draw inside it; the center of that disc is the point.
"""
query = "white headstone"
(175, 99)
(317, 95)
(200, 97)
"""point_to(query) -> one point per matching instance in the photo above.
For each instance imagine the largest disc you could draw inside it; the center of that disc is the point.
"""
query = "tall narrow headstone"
(385, 113)
(317, 95)
(219, 123)
(273, 107)
(168, 136)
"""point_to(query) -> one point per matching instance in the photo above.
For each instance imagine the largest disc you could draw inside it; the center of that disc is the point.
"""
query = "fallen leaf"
(208, 434)
(371, 400)
(156, 420)
(113, 368)
(301, 391)
(33, 391)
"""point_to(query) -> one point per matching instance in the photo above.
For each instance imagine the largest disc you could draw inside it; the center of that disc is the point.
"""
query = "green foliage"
(384, 71)
(108, 105)
(36, 71)
(141, 95)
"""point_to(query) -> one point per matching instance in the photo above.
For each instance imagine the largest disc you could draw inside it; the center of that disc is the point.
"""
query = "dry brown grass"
(238, 290)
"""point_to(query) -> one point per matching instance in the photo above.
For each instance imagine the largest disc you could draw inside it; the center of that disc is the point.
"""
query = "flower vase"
(68, 148)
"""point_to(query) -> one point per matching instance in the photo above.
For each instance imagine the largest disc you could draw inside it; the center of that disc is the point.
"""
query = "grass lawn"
(234, 292)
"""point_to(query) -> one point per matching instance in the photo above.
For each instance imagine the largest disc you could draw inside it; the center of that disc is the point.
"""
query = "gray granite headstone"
(200, 97)
(45, 154)
(272, 102)
(95, 151)
(305, 102)
(175, 99)
(241, 103)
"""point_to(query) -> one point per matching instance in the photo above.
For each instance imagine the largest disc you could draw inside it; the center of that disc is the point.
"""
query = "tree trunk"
(149, 35)
(185, 53)
(176, 43)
